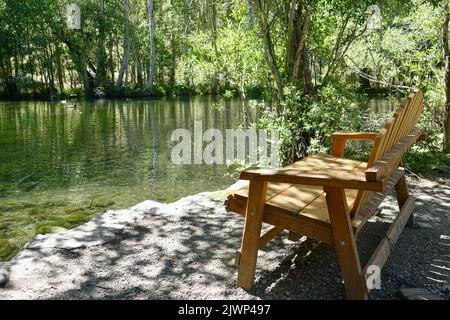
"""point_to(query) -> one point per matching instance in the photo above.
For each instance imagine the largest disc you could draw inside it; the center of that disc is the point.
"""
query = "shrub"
(304, 123)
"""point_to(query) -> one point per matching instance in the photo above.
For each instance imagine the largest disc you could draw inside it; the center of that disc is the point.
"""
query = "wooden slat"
(378, 142)
(299, 197)
(381, 253)
(268, 235)
(296, 197)
(307, 200)
(409, 117)
(345, 179)
(389, 162)
(390, 135)
(420, 108)
(313, 162)
(272, 190)
(407, 123)
(393, 135)
(371, 206)
(363, 196)
(390, 125)
(413, 113)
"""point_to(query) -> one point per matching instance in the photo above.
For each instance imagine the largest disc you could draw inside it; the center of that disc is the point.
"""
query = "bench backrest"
(398, 126)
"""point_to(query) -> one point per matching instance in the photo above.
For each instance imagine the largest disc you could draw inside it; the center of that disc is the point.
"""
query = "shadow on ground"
(186, 251)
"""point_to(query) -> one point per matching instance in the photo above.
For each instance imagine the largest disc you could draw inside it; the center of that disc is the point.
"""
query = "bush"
(304, 123)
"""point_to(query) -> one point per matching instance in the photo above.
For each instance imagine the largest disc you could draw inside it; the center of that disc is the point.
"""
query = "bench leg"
(401, 189)
(251, 236)
(345, 244)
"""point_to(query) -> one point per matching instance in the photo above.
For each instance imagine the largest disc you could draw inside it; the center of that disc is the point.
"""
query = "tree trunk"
(135, 46)
(126, 45)
(212, 13)
(446, 56)
(151, 25)
(186, 32)
(137, 55)
(81, 67)
(16, 65)
(49, 67)
(111, 63)
(100, 75)
(306, 70)
(174, 62)
(60, 69)
(269, 47)
(298, 27)
(76, 49)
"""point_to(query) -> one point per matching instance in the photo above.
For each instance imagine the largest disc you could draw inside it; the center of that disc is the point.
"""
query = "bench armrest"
(339, 140)
(332, 178)
(370, 136)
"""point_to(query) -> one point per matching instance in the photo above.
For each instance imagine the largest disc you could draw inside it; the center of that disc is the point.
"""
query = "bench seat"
(308, 201)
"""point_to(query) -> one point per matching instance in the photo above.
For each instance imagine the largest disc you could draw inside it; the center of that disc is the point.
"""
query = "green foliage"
(427, 164)
(307, 121)
(201, 47)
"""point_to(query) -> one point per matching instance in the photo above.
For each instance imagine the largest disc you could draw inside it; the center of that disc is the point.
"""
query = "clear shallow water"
(59, 166)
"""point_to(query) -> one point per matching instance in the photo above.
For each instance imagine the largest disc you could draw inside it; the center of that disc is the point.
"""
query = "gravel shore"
(185, 250)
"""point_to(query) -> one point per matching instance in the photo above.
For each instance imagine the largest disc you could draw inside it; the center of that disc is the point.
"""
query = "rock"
(99, 230)
(4, 269)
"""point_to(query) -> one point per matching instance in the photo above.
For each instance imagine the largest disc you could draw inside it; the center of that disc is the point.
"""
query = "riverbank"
(185, 250)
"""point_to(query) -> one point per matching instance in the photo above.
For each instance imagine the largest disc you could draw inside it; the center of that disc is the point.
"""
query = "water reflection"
(46, 145)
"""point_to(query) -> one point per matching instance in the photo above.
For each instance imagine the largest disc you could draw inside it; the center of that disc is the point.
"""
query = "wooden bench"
(330, 199)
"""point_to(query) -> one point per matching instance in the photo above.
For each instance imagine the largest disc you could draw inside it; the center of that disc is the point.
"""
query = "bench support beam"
(265, 238)
(401, 189)
(381, 253)
(345, 244)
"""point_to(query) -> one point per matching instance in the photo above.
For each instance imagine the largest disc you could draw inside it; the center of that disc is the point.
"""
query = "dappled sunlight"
(439, 268)
(187, 249)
